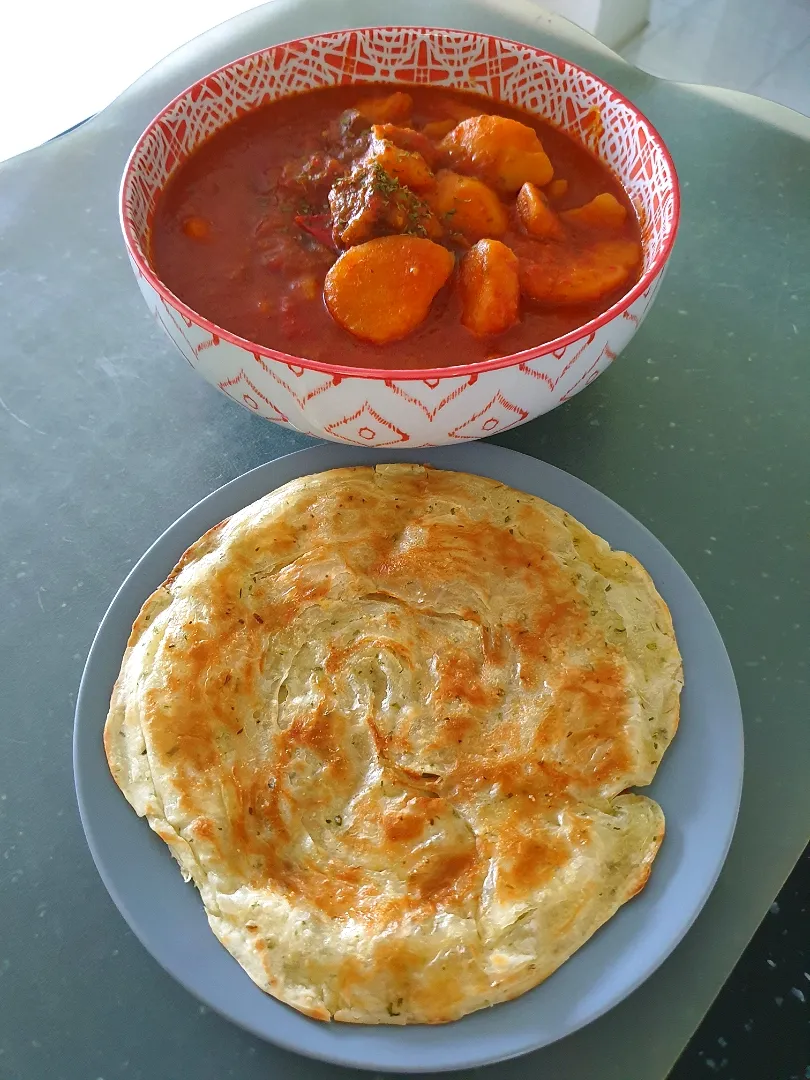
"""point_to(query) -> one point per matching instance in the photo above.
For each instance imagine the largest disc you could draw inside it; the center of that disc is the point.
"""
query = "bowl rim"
(586, 330)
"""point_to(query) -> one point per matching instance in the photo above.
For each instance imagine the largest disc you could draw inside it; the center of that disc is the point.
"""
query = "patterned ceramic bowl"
(433, 406)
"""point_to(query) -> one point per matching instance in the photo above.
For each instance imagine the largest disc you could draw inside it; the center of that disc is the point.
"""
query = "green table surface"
(700, 430)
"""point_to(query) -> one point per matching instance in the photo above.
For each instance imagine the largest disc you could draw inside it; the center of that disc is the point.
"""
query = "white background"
(63, 60)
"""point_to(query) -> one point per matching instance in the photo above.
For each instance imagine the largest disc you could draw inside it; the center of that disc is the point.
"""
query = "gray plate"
(698, 786)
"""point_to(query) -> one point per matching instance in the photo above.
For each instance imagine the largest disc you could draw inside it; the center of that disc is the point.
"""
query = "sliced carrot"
(382, 290)
(489, 287)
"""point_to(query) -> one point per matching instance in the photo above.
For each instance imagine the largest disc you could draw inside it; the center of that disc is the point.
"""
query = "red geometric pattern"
(241, 389)
(603, 360)
(497, 415)
(366, 428)
(378, 408)
(307, 392)
(549, 371)
(431, 395)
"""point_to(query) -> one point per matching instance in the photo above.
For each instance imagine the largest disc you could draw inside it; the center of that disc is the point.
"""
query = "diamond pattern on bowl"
(497, 415)
(241, 389)
(367, 428)
(431, 395)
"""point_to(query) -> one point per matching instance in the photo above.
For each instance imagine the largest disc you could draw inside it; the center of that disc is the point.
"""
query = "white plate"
(698, 785)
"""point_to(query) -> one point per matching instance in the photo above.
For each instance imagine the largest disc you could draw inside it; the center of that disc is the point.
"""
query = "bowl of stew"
(400, 236)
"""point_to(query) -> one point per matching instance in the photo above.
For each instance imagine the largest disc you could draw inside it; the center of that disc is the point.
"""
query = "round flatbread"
(386, 719)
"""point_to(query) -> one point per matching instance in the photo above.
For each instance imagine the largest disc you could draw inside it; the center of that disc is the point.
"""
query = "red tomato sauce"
(242, 235)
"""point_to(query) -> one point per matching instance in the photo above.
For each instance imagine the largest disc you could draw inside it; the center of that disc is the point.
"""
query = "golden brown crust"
(384, 719)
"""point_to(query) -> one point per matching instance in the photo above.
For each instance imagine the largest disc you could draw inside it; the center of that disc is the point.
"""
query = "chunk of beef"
(312, 175)
(369, 202)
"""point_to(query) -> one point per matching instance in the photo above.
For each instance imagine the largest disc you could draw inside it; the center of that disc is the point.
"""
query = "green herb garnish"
(385, 184)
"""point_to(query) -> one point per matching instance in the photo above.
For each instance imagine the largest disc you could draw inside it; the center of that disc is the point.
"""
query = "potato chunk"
(386, 110)
(562, 275)
(490, 288)
(457, 110)
(467, 206)
(536, 216)
(437, 129)
(415, 142)
(503, 152)
(410, 169)
(382, 290)
(604, 212)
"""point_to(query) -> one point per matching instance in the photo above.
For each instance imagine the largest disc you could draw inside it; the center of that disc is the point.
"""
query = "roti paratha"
(386, 719)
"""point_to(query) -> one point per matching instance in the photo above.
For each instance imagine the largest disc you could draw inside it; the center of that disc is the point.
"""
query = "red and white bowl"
(432, 406)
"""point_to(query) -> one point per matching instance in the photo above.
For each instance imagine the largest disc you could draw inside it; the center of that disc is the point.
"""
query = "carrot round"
(382, 290)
